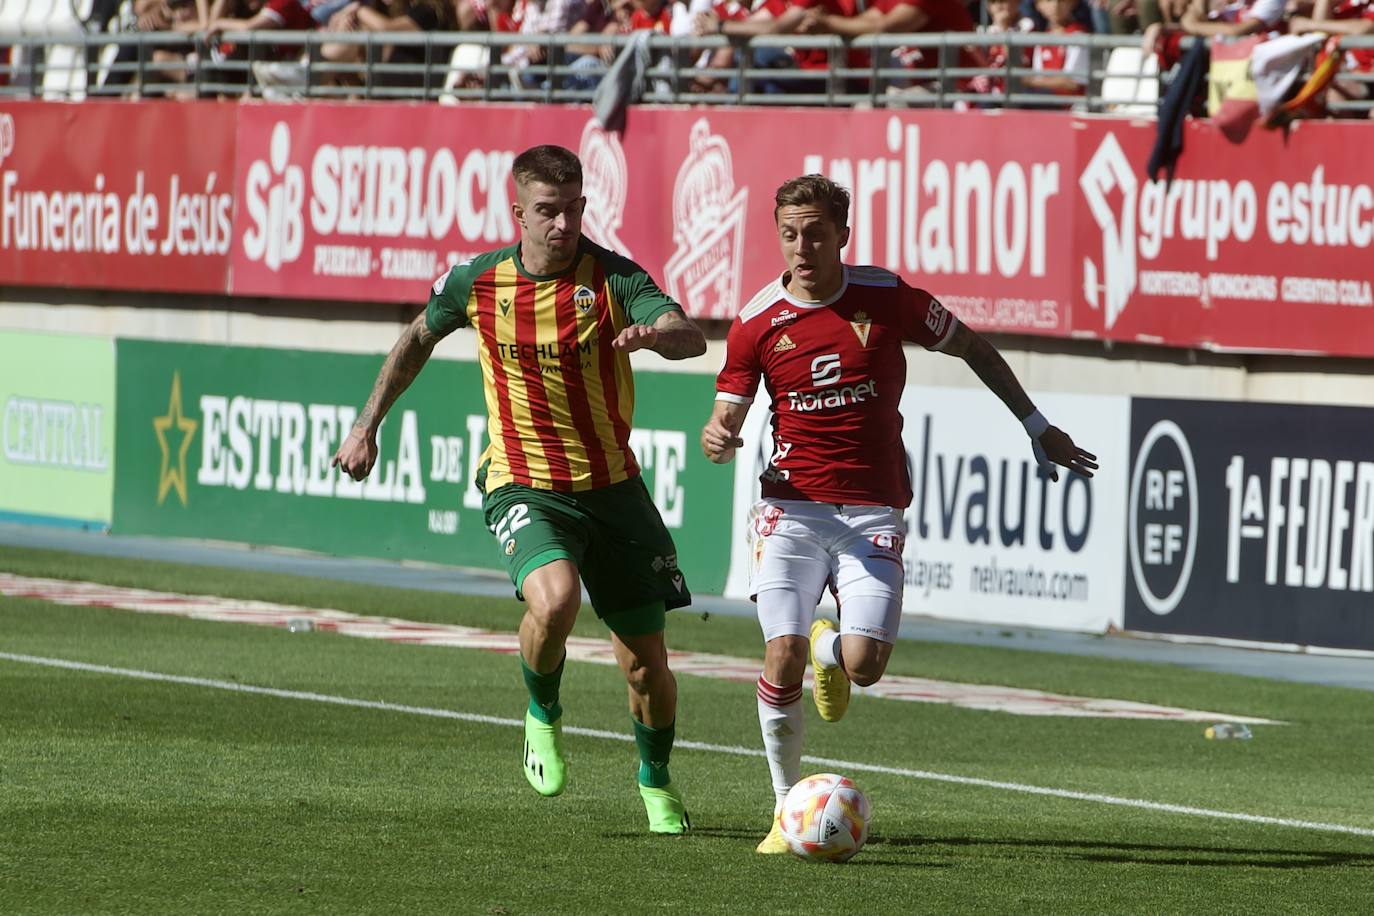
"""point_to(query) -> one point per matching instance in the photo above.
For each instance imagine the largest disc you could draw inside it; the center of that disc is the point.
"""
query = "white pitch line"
(734, 750)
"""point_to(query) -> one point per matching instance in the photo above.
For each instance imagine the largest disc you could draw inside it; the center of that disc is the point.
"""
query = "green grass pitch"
(120, 795)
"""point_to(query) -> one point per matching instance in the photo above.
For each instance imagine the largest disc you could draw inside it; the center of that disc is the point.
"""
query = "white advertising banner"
(988, 539)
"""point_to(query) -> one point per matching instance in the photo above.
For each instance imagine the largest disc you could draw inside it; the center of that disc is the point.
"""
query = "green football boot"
(543, 759)
(667, 810)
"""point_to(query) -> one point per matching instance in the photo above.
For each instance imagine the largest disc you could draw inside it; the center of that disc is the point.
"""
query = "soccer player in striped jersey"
(556, 318)
(826, 339)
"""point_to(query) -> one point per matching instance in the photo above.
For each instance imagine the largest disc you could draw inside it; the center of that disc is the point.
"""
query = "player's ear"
(844, 237)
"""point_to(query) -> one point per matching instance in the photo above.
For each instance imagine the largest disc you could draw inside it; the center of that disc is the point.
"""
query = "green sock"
(543, 689)
(655, 747)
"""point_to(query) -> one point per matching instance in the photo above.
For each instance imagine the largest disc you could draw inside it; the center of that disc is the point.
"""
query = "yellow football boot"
(830, 685)
(775, 842)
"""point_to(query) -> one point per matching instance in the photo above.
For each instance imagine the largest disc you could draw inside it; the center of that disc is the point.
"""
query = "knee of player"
(865, 672)
(554, 609)
(641, 675)
(785, 658)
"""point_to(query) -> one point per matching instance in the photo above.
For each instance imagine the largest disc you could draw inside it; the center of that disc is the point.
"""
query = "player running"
(556, 318)
(826, 338)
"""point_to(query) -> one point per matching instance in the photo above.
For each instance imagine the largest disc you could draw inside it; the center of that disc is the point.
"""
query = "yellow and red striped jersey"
(560, 399)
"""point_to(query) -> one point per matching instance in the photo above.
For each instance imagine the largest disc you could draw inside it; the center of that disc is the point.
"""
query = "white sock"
(828, 649)
(781, 722)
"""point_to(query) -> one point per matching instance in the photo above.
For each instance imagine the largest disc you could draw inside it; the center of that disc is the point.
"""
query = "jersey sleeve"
(923, 319)
(636, 291)
(448, 300)
(738, 379)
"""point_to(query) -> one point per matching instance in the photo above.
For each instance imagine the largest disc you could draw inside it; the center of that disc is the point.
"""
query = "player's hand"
(718, 443)
(356, 455)
(636, 337)
(1054, 447)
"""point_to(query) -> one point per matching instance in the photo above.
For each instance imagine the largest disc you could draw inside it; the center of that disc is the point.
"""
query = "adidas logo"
(784, 344)
(830, 830)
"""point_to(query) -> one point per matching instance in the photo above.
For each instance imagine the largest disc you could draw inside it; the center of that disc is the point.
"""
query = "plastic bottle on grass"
(300, 625)
(1224, 731)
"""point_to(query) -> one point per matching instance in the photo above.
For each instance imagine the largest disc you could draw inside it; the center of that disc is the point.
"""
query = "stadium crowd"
(1059, 69)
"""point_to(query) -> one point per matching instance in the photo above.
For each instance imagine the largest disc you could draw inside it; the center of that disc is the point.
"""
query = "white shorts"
(800, 546)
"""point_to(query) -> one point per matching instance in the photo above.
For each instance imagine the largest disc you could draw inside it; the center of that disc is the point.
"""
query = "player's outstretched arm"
(1051, 445)
(720, 436)
(672, 336)
(359, 449)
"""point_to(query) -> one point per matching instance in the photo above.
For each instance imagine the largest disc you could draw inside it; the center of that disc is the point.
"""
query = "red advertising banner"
(117, 195)
(369, 202)
(1266, 245)
(1026, 222)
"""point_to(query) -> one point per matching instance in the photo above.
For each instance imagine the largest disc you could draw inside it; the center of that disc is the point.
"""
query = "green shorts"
(613, 535)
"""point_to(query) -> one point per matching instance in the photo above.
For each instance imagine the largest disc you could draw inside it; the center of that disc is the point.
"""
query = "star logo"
(861, 324)
(173, 474)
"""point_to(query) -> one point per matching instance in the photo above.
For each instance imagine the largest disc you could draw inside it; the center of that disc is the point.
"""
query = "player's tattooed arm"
(672, 336)
(720, 437)
(678, 337)
(359, 449)
(988, 364)
(1051, 445)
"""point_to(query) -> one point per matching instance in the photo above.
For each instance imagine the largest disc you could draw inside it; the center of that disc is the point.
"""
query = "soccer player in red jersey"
(826, 339)
(556, 317)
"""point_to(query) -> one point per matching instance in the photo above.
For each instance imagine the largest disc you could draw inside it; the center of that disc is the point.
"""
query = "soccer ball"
(825, 818)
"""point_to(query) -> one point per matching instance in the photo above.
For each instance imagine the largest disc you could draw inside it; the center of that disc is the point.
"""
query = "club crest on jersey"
(584, 299)
(784, 344)
(861, 324)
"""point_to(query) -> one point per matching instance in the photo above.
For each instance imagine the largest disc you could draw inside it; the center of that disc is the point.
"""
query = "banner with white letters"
(989, 539)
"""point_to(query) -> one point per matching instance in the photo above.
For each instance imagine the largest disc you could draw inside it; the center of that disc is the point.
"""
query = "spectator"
(1243, 17)
(174, 63)
(624, 18)
(541, 17)
(1060, 69)
(284, 15)
(902, 16)
(591, 60)
(1345, 17)
(485, 16)
(170, 62)
(770, 17)
(652, 16)
(1200, 17)
(1003, 18)
(403, 16)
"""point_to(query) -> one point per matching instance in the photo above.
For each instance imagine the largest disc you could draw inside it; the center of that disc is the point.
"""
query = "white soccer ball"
(825, 818)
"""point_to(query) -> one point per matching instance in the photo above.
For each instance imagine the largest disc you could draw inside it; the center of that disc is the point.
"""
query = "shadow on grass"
(1144, 853)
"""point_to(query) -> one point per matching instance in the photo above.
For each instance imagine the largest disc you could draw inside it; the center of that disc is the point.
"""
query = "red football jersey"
(835, 372)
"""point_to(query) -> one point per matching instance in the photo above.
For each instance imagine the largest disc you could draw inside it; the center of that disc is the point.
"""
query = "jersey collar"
(829, 300)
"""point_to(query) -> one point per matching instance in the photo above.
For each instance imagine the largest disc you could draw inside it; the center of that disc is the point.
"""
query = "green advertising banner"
(235, 444)
(57, 437)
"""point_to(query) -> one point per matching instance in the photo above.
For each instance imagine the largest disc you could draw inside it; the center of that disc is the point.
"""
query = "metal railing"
(891, 71)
